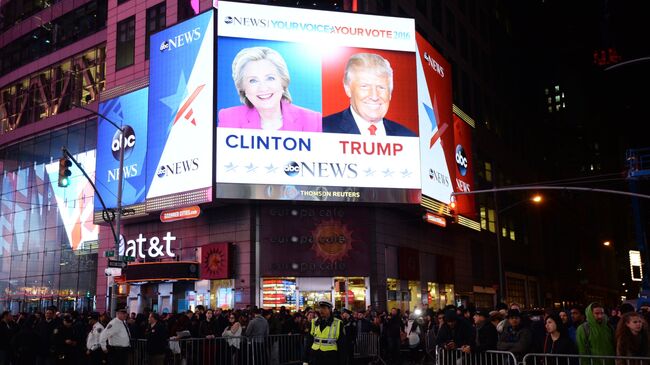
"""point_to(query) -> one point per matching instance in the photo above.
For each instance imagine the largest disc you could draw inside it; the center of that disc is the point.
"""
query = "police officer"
(326, 339)
(93, 346)
(116, 339)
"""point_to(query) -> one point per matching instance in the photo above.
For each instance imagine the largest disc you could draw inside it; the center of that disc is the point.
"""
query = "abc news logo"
(127, 141)
(322, 169)
(461, 160)
(434, 65)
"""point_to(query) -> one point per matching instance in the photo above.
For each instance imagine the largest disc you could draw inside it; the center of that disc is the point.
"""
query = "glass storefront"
(440, 295)
(350, 293)
(48, 244)
(299, 293)
(222, 294)
(278, 292)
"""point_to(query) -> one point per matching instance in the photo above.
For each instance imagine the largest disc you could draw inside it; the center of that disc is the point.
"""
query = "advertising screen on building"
(181, 108)
(464, 167)
(436, 123)
(128, 111)
(316, 105)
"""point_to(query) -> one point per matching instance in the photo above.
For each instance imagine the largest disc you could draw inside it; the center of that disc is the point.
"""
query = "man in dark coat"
(157, 337)
(368, 82)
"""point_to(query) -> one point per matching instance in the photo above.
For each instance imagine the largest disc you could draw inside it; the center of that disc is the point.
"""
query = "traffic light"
(64, 172)
(452, 210)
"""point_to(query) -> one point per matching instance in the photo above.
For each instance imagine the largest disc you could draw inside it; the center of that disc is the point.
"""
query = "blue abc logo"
(461, 160)
(292, 168)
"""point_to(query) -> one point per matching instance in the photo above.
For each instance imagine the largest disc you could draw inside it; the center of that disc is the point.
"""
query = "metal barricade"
(564, 359)
(268, 350)
(367, 346)
(458, 357)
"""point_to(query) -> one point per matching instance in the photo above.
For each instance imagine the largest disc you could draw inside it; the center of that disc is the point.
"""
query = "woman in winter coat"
(632, 338)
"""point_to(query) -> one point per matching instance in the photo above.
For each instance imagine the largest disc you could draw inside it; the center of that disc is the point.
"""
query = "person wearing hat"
(93, 347)
(455, 333)
(350, 326)
(486, 334)
(326, 339)
(515, 338)
(116, 339)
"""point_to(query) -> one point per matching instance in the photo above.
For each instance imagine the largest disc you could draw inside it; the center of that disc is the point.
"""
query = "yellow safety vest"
(325, 340)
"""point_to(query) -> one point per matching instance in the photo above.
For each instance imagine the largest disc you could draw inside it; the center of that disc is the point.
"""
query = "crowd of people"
(52, 337)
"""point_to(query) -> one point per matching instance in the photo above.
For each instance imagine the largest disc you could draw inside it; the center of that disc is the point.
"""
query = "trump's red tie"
(373, 130)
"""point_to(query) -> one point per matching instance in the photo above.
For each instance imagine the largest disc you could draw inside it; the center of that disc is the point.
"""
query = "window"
(125, 43)
(483, 217)
(61, 32)
(491, 225)
(155, 21)
(488, 172)
(185, 10)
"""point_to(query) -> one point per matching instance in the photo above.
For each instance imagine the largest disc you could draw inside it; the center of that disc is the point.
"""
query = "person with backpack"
(595, 336)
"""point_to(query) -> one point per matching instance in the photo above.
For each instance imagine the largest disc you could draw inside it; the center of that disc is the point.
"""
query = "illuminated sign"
(293, 124)
(130, 112)
(180, 214)
(143, 247)
(179, 142)
(436, 219)
(636, 270)
(437, 149)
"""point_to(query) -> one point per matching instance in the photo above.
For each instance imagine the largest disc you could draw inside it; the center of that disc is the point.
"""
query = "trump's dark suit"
(343, 122)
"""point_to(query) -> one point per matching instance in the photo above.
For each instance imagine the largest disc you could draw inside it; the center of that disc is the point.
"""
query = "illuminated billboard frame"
(130, 112)
(288, 132)
(179, 164)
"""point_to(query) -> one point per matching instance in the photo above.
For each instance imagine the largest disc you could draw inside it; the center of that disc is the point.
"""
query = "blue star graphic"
(174, 101)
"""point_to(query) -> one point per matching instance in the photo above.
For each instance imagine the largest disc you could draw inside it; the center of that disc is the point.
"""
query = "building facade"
(261, 253)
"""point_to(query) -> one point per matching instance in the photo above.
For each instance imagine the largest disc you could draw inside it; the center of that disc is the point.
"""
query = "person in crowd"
(233, 329)
(557, 339)
(577, 319)
(502, 308)
(625, 308)
(157, 340)
(455, 333)
(262, 80)
(258, 331)
(614, 317)
(350, 326)
(594, 336)
(515, 337)
(496, 318)
(116, 339)
(8, 330)
(208, 327)
(364, 325)
(486, 334)
(394, 328)
(45, 329)
(368, 82)
(66, 342)
(326, 339)
(94, 352)
(564, 317)
(632, 338)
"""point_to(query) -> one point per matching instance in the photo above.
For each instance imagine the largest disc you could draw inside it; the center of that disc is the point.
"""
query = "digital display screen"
(316, 105)
(128, 111)
(181, 88)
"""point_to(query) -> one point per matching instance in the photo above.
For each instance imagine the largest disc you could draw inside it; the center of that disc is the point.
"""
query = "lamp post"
(118, 213)
(535, 199)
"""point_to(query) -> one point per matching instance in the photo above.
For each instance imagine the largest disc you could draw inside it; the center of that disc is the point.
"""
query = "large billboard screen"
(436, 124)
(181, 108)
(128, 111)
(316, 105)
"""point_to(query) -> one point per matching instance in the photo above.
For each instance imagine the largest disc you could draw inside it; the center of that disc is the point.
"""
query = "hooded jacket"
(597, 339)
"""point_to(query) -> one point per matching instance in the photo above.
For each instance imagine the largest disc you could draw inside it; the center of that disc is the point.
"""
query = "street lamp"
(118, 213)
(535, 199)
(607, 243)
